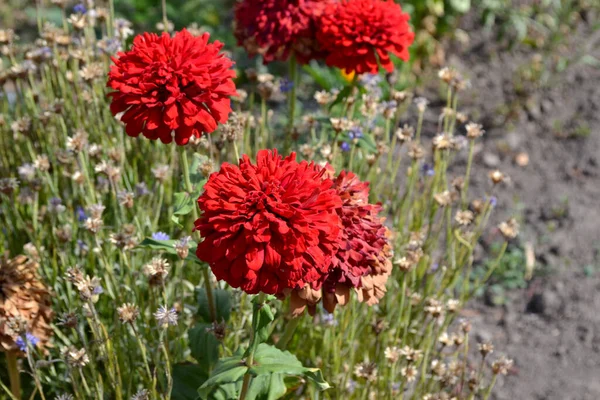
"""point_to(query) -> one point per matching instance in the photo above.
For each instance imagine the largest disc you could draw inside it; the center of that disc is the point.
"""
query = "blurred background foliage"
(531, 22)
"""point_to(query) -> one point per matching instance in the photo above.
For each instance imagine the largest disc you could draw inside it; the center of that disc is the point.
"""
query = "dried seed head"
(442, 142)
(464, 218)
(161, 173)
(366, 370)
(438, 368)
(156, 271)
(444, 339)
(496, 177)
(405, 134)
(182, 247)
(433, 308)
(452, 305)
(89, 288)
(411, 355)
(68, 320)
(509, 229)
(447, 75)
(465, 326)
(207, 167)
(443, 199)
(125, 198)
(42, 163)
(128, 312)
(474, 130)
(76, 358)
(409, 373)
(485, 348)
(421, 104)
(416, 151)
(502, 366)
(392, 354)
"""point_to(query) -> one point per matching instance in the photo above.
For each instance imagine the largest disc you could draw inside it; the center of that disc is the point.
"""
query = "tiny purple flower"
(493, 201)
(285, 85)
(427, 170)
(160, 236)
(81, 214)
(345, 146)
(355, 132)
(141, 189)
(29, 339)
(79, 9)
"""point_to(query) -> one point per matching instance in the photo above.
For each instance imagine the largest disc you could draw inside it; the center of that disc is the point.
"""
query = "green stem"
(292, 103)
(468, 173)
(288, 333)
(13, 373)
(190, 189)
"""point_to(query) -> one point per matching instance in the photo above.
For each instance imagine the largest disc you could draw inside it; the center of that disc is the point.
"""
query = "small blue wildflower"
(29, 339)
(427, 170)
(345, 146)
(434, 267)
(82, 247)
(329, 319)
(160, 236)
(141, 189)
(285, 85)
(355, 132)
(81, 214)
(351, 386)
(493, 201)
(79, 9)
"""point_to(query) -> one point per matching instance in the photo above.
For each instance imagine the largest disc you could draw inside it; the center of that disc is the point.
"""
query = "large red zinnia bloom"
(271, 226)
(362, 262)
(276, 28)
(165, 84)
(360, 35)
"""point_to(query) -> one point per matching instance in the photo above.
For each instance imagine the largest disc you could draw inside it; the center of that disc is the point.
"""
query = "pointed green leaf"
(204, 345)
(168, 246)
(187, 378)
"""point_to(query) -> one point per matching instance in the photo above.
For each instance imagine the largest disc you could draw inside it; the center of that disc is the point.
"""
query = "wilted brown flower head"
(23, 297)
(128, 312)
(509, 229)
(502, 366)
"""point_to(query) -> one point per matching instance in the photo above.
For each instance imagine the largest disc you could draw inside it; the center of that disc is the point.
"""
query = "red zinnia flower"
(358, 35)
(166, 84)
(275, 28)
(362, 261)
(271, 226)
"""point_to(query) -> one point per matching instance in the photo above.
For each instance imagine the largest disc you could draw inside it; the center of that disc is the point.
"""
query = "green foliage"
(269, 369)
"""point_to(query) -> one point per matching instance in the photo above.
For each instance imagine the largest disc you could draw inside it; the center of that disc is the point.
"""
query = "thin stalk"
(468, 173)
(13, 374)
(189, 189)
(292, 104)
(288, 333)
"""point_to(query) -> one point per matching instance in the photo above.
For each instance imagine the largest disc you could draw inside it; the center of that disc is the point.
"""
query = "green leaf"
(222, 300)
(168, 246)
(261, 319)
(183, 204)
(269, 359)
(204, 345)
(187, 378)
(267, 387)
(227, 371)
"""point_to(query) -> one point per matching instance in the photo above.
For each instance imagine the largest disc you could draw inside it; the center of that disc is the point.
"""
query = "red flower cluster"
(275, 28)
(283, 227)
(362, 261)
(359, 35)
(165, 84)
(271, 226)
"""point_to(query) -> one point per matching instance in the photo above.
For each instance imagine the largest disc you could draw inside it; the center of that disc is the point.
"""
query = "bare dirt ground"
(552, 328)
